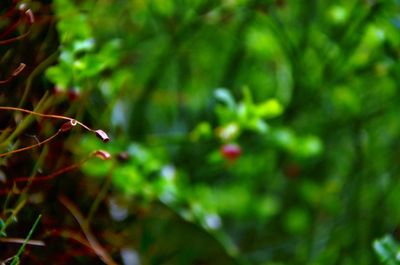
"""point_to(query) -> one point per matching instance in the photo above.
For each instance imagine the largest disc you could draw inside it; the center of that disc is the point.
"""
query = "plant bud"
(102, 135)
(68, 125)
(103, 155)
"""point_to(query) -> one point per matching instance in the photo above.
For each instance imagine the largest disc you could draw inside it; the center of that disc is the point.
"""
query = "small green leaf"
(59, 76)
(269, 109)
(387, 250)
(297, 220)
(83, 45)
(285, 138)
(309, 146)
(257, 125)
(202, 130)
(226, 97)
(338, 14)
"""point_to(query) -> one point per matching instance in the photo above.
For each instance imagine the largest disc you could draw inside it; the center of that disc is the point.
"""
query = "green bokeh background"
(307, 90)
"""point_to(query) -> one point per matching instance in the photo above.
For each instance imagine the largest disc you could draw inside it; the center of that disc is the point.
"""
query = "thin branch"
(101, 195)
(70, 234)
(52, 175)
(99, 133)
(31, 19)
(16, 258)
(65, 127)
(16, 72)
(10, 28)
(31, 146)
(94, 243)
(46, 115)
(8, 41)
(32, 242)
(99, 154)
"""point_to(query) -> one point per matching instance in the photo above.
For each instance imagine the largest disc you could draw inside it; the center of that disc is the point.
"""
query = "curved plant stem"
(94, 243)
(8, 41)
(101, 195)
(31, 19)
(99, 133)
(60, 171)
(38, 69)
(54, 174)
(51, 116)
(13, 215)
(72, 122)
(43, 104)
(13, 240)
(16, 258)
(31, 146)
(16, 72)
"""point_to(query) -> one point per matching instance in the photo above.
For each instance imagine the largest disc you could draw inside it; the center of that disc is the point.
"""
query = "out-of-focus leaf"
(387, 250)
(309, 146)
(297, 220)
(225, 96)
(269, 109)
(338, 14)
(83, 45)
(202, 130)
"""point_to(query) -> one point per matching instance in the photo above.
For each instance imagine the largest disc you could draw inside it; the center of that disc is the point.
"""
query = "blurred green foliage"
(330, 68)
(388, 250)
(307, 93)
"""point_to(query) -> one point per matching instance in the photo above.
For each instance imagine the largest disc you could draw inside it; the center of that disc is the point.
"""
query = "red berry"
(73, 94)
(231, 151)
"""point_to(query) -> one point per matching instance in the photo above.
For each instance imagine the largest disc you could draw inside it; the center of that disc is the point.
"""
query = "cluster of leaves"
(80, 62)
(388, 250)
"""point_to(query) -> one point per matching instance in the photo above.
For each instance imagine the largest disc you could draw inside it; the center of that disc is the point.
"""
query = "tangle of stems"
(28, 15)
(65, 127)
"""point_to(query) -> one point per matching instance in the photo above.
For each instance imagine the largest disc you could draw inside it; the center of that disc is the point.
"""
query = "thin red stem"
(16, 72)
(46, 116)
(10, 28)
(94, 243)
(31, 146)
(52, 175)
(31, 19)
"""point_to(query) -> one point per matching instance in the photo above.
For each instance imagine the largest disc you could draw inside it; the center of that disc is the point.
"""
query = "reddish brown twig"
(70, 234)
(28, 14)
(99, 153)
(16, 72)
(99, 133)
(65, 127)
(31, 146)
(94, 243)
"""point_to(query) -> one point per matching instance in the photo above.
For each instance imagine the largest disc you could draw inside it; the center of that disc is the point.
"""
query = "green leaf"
(226, 97)
(128, 179)
(297, 220)
(60, 75)
(83, 45)
(285, 138)
(309, 146)
(269, 109)
(387, 250)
